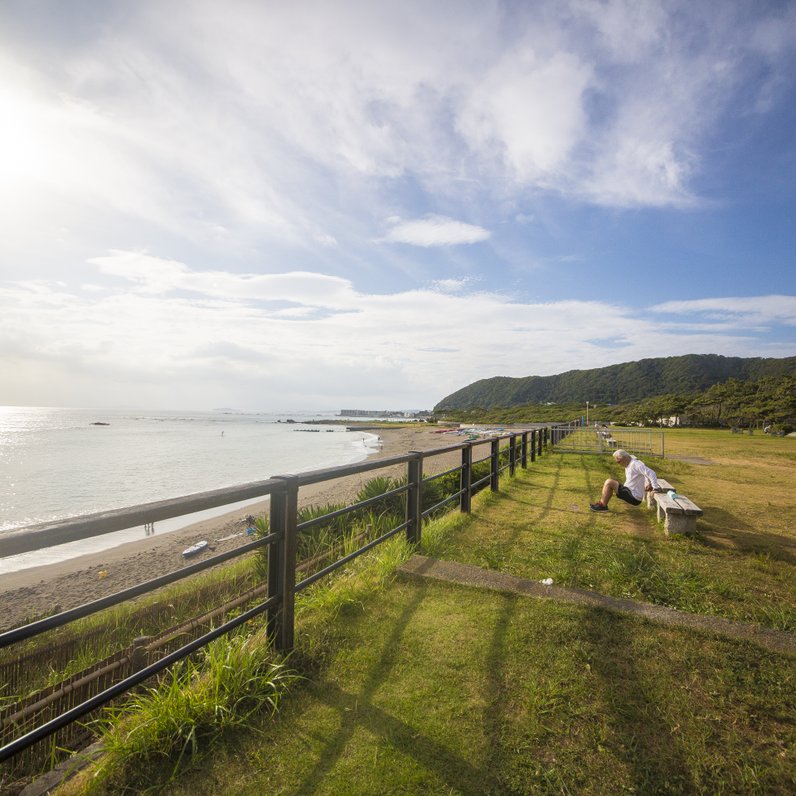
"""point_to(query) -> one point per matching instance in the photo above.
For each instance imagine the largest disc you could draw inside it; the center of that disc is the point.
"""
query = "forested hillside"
(769, 402)
(628, 382)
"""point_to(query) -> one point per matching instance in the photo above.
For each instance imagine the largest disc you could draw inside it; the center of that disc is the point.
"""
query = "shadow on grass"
(523, 491)
(577, 544)
(640, 570)
(641, 735)
(726, 531)
(594, 491)
(457, 773)
(357, 711)
(495, 697)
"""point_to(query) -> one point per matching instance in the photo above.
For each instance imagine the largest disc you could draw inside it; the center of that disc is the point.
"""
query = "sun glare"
(22, 139)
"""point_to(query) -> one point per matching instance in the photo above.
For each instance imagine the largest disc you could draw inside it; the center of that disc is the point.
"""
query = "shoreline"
(50, 588)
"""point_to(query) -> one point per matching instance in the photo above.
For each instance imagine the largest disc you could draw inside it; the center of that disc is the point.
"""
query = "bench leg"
(679, 523)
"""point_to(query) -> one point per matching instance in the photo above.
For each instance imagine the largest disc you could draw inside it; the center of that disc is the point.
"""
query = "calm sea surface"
(57, 463)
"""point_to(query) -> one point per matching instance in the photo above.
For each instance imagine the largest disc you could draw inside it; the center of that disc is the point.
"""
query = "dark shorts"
(623, 493)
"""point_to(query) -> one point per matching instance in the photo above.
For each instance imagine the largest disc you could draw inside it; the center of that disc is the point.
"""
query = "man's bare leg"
(610, 488)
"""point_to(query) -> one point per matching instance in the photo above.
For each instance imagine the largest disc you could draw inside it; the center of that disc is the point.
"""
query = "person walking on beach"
(638, 479)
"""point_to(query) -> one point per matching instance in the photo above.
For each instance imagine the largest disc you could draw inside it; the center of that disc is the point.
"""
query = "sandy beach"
(40, 591)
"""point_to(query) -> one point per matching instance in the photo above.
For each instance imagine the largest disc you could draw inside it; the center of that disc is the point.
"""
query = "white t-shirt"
(636, 476)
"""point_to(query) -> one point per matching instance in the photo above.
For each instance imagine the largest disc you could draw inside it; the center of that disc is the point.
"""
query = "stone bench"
(678, 514)
(664, 485)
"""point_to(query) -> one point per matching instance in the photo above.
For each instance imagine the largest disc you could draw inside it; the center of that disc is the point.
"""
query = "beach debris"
(231, 536)
(103, 573)
(194, 549)
(547, 581)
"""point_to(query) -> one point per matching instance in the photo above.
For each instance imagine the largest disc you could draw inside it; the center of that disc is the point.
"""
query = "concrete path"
(466, 575)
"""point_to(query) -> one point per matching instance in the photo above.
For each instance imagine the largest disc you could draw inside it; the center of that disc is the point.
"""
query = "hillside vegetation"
(769, 402)
(625, 383)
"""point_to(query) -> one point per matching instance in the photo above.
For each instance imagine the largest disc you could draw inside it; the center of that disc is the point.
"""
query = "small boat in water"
(194, 549)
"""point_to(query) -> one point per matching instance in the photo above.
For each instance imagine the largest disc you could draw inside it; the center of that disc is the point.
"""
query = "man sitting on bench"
(638, 479)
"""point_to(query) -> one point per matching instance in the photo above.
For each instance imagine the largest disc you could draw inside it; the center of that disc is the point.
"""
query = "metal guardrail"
(578, 438)
(281, 542)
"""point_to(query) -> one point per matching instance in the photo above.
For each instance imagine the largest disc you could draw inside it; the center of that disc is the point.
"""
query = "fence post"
(533, 446)
(414, 498)
(540, 441)
(282, 564)
(524, 450)
(495, 457)
(466, 478)
(512, 454)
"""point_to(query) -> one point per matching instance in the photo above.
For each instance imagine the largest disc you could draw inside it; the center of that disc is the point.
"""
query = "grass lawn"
(741, 565)
(440, 689)
(434, 688)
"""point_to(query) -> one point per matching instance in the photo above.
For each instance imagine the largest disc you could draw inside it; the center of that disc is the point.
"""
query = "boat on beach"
(194, 549)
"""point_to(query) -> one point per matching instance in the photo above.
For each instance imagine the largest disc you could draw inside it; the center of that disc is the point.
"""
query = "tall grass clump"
(233, 683)
(344, 533)
(390, 505)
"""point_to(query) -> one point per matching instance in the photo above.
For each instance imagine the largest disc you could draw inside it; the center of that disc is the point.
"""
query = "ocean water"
(57, 463)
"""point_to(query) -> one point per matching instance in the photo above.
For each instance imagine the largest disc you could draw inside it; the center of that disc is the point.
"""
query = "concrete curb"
(51, 780)
(419, 566)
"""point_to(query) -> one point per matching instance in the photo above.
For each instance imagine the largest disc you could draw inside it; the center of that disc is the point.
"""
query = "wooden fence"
(48, 720)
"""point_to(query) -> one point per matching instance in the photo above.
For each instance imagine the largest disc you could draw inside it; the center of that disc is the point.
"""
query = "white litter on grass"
(547, 581)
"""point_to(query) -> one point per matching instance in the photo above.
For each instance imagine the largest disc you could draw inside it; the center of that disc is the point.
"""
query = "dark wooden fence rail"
(281, 541)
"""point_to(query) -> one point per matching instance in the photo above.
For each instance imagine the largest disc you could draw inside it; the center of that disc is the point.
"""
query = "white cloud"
(450, 285)
(216, 335)
(239, 125)
(435, 231)
(640, 167)
(628, 29)
(236, 163)
(738, 311)
(528, 112)
(157, 275)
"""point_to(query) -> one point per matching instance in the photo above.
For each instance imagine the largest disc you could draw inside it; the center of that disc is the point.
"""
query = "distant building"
(670, 422)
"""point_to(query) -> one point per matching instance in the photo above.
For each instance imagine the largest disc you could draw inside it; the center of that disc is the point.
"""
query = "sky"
(316, 205)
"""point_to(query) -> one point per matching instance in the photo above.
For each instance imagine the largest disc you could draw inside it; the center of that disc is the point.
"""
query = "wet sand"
(40, 591)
